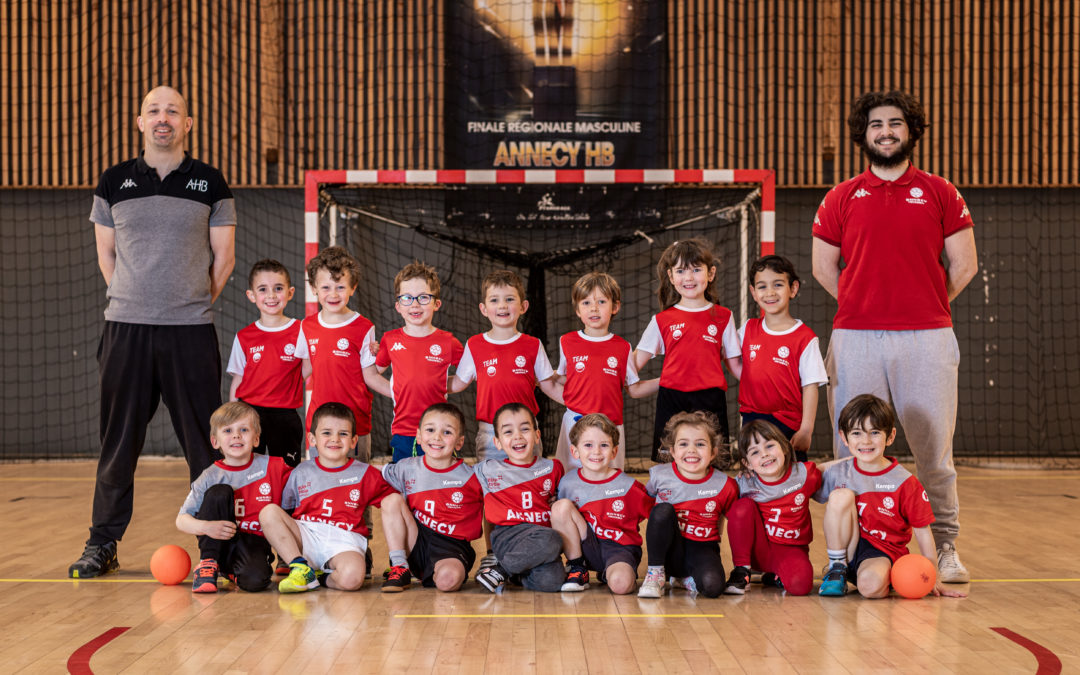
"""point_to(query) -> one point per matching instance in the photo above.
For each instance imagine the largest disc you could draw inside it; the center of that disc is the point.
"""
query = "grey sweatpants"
(532, 551)
(916, 371)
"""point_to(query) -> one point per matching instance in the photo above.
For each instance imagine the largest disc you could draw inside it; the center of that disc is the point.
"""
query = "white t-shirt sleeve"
(301, 351)
(237, 359)
(742, 334)
(561, 370)
(631, 369)
(367, 358)
(811, 365)
(651, 340)
(732, 343)
(466, 368)
(542, 368)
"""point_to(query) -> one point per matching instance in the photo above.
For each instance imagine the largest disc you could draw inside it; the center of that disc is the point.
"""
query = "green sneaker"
(300, 580)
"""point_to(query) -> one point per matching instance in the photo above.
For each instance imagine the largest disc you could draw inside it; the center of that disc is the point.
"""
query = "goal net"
(549, 227)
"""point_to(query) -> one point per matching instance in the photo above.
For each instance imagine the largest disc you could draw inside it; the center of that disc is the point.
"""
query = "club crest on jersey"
(799, 499)
(612, 362)
(457, 497)
(710, 506)
(264, 488)
(491, 371)
(519, 361)
(783, 352)
(547, 485)
(343, 344)
(618, 505)
(916, 196)
(290, 349)
(256, 357)
(354, 494)
(579, 366)
(712, 329)
(435, 350)
(888, 502)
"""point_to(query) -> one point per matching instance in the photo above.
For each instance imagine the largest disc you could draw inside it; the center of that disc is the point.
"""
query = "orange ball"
(170, 564)
(913, 576)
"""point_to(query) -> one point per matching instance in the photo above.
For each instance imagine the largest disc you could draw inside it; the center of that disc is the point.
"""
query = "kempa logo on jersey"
(346, 481)
(201, 185)
(707, 493)
(254, 476)
(880, 486)
(128, 183)
(397, 347)
(861, 192)
(791, 489)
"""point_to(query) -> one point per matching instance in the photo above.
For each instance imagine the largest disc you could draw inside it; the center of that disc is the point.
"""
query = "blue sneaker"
(834, 583)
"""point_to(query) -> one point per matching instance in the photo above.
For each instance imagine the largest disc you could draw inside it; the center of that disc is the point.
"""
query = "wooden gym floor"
(1020, 540)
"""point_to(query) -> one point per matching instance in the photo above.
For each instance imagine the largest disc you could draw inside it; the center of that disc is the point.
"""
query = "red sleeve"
(645, 502)
(728, 495)
(813, 478)
(827, 220)
(382, 359)
(914, 504)
(456, 350)
(376, 487)
(956, 215)
(557, 473)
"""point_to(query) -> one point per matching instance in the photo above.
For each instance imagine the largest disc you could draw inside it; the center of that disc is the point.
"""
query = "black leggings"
(246, 557)
(682, 557)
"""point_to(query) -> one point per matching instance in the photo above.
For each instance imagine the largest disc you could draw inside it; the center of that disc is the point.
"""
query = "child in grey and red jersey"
(223, 507)
(428, 530)
(683, 534)
(518, 492)
(769, 525)
(599, 510)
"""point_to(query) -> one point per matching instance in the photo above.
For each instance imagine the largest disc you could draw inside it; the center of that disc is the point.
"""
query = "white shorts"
(562, 450)
(321, 542)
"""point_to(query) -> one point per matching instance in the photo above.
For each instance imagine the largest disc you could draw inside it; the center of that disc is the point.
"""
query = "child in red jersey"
(875, 506)
(440, 509)
(336, 344)
(696, 335)
(599, 510)
(782, 366)
(507, 365)
(683, 533)
(327, 496)
(595, 365)
(225, 501)
(769, 525)
(419, 354)
(264, 367)
(518, 492)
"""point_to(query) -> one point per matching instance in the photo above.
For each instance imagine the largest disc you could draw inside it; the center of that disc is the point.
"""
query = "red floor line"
(1049, 663)
(79, 661)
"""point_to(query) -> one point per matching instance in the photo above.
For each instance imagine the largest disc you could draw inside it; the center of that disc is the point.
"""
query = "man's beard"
(888, 161)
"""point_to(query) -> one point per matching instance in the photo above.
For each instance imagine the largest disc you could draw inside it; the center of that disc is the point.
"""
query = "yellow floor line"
(558, 616)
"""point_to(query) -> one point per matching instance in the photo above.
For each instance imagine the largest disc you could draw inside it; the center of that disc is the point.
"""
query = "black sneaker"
(492, 578)
(770, 579)
(95, 561)
(576, 580)
(737, 580)
(398, 580)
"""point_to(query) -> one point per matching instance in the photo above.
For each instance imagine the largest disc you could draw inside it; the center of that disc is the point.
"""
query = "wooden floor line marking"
(98, 580)
(79, 661)
(559, 616)
(1049, 663)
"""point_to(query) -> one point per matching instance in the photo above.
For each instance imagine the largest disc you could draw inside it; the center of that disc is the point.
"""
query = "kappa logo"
(290, 349)
(354, 494)
(618, 505)
(343, 343)
(965, 213)
(888, 502)
(435, 350)
(612, 362)
(861, 192)
(520, 362)
(264, 488)
(397, 347)
(128, 183)
(200, 185)
(457, 497)
(783, 352)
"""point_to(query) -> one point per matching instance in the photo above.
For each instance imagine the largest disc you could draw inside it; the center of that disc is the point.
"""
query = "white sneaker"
(950, 569)
(685, 583)
(653, 585)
